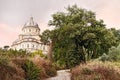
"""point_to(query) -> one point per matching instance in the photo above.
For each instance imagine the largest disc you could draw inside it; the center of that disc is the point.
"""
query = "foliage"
(9, 70)
(4, 60)
(48, 69)
(114, 53)
(96, 71)
(13, 53)
(104, 58)
(37, 52)
(78, 36)
(116, 64)
(32, 71)
(87, 71)
(116, 34)
(17, 65)
(45, 36)
(46, 39)
(51, 71)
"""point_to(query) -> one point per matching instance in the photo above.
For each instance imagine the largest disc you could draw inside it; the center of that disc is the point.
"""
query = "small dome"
(31, 23)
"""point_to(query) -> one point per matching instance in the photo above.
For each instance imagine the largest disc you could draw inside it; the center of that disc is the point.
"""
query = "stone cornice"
(27, 40)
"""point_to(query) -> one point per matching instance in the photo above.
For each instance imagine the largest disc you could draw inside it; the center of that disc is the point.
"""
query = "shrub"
(51, 71)
(87, 71)
(104, 58)
(39, 53)
(16, 65)
(19, 61)
(114, 53)
(48, 70)
(32, 71)
(10, 71)
(4, 60)
(60, 64)
(96, 71)
(13, 53)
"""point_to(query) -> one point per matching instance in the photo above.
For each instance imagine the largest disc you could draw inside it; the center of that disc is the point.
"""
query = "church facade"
(29, 40)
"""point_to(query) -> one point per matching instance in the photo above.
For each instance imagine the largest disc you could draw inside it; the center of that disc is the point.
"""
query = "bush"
(4, 60)
(16, 65)
(39, 53)
(51, 71)
(87, 71)
(104, 58)
(114, 53)
(60, 64)
(32, 71)
(48, 70)
(96, 71)
(10, 71)
(13, 53)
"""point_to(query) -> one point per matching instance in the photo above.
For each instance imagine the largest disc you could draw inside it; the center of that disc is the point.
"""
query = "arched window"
(27, 45)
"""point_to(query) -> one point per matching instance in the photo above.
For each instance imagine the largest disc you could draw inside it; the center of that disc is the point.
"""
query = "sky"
(15, 13)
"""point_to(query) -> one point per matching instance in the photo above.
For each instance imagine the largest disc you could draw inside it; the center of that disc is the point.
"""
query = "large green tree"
(78, 36)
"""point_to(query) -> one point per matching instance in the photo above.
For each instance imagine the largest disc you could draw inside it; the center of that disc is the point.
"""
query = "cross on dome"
(31, 22)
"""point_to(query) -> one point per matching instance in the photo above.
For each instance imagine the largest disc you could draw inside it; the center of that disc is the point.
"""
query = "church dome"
(31, 28)
(31, 23)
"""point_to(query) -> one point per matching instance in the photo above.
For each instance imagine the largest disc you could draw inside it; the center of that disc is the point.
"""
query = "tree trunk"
(50, 52)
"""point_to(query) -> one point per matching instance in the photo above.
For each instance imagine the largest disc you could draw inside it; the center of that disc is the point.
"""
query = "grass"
(96, 70)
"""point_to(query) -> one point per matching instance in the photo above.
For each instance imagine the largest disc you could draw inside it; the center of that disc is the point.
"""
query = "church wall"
(29, 39)
(31, 31)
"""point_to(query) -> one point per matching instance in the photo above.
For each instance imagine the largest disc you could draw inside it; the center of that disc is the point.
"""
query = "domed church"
(29, 40)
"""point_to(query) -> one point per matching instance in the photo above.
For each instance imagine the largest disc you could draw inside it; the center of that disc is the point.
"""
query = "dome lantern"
(31, 22)
(31, 28)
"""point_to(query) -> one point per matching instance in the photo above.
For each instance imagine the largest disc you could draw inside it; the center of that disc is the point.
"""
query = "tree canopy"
(78, 36)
